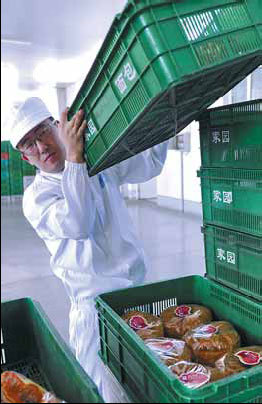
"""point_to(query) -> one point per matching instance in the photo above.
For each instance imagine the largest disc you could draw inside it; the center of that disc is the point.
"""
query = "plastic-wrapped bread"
(194, 375)
(16, 388)
(190, 374)
(240, 359)
(144, 324)
(210, 342)
(169, 350)
(178, 320)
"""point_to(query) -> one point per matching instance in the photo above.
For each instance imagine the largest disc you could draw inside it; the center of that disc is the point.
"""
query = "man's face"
(42, 148)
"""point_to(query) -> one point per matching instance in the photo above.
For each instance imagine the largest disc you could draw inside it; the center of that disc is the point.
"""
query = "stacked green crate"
(15, 170)
(232, 198)
(230, 136)
(5, 180)
(231, 185)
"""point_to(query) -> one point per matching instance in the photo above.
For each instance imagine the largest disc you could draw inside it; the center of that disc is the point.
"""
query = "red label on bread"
(183, 311)
(138, 322)
(194, 380)
(162, 346)
(248, 357)
(206, 330)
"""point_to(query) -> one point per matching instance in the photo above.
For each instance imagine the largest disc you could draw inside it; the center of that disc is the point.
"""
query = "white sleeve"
(65, 214)
(143, 166)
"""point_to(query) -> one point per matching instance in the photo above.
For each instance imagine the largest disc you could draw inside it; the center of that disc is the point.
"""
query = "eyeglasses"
(29, 146)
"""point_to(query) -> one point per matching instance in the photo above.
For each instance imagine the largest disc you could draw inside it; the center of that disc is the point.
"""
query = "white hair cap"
(31, 113)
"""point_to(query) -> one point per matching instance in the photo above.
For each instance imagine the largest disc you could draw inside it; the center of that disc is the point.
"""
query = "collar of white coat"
(58, 175)
(53, 175)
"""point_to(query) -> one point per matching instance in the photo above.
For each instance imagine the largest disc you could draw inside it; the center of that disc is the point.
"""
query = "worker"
(83, 220)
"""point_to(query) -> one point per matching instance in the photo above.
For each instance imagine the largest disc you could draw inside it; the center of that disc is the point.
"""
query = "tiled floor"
(172, 241)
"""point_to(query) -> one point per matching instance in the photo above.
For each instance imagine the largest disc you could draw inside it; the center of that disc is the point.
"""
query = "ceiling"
(35, 30)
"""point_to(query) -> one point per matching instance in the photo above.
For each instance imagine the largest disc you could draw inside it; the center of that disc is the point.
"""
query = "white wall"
(169, 181)
(72, 91)
(192, 162)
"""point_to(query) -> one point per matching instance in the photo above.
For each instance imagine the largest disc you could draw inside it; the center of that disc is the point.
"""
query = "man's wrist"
(75, 158)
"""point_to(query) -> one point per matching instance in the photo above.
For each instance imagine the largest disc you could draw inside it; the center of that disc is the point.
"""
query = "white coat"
(86, 227)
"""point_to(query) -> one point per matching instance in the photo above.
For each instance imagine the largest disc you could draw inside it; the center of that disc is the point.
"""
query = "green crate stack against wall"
(231, 185)
(15, 169)
(5, 179)
(16, 174)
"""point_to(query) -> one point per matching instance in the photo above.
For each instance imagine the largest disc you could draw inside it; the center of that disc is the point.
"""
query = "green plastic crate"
(27, 169)
(15, 162)
(234, 259)
(5, 180)
(232, 198)
(161, 64)
(144, 377)
(16, 183)
(15, 172)
(230, 136)
(5, 146)
(31, 345)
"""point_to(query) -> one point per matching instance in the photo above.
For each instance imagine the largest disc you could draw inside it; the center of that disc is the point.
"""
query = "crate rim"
(206, 226)
(100, 297)
(228, 107)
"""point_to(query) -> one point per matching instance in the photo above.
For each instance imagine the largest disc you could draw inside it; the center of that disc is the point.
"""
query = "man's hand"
(71, 135)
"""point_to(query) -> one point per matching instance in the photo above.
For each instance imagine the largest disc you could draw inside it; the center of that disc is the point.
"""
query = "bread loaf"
(144, 324)
(178, 320)
(210, 342)
(192, 375)
(169, 350)
(16, 388)
(240, 359)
